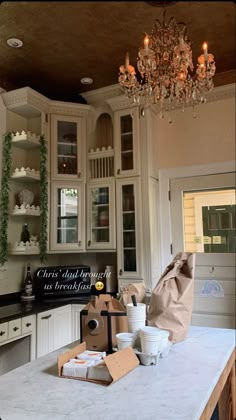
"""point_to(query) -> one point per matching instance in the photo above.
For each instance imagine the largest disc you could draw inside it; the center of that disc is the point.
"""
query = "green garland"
(4, 195)
(43, 200)
(4, 198)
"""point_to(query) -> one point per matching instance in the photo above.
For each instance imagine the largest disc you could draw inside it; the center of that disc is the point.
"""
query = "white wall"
(208, 138)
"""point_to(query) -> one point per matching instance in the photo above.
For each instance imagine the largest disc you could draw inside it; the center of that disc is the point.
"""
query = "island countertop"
(177, 388)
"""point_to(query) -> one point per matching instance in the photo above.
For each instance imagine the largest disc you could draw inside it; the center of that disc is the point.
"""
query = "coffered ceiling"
(65, 41)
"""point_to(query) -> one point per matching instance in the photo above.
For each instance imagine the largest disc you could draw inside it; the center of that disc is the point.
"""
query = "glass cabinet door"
(127, 143)
(67, 154)
(67, 217)
(129, 229)
(67, 148)
(101, 222)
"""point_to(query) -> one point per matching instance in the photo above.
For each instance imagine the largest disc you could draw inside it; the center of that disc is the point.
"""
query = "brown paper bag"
(137, 289)
(172, 299)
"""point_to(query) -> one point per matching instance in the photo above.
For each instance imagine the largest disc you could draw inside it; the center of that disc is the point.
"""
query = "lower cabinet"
(76, 308)
(53, 329)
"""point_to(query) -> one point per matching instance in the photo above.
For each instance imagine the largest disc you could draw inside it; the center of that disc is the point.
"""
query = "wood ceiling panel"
(65, 41)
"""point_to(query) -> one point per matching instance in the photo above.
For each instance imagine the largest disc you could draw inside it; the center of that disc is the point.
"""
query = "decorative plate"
(26, 197)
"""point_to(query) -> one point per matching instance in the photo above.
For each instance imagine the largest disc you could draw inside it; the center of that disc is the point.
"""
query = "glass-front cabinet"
(127, 142)
(101, 215)
(68, 139)
(129, 229)
(67, 216)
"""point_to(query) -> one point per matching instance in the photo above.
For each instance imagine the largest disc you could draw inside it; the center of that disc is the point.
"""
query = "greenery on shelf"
(43, 200)
(4, 196)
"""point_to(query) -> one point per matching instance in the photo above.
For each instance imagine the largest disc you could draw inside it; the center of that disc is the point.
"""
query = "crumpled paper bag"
(172, 298)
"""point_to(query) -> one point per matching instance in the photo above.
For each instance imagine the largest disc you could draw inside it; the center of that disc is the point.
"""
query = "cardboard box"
(118, 364)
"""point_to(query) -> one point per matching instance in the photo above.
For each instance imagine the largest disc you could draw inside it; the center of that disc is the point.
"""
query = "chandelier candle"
(166, 69)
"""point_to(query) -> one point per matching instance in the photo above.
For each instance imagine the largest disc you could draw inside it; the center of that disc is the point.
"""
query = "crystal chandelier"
(166, 69)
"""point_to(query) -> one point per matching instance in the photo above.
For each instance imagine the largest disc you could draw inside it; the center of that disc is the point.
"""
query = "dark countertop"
(13, 308)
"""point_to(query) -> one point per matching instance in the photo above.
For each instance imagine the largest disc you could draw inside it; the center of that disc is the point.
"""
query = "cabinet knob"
(28, 324)
(2, 333)
(46, 317)
(79, 243)
(89, 243)
(15, 328)
(118, 171)
(120, 272)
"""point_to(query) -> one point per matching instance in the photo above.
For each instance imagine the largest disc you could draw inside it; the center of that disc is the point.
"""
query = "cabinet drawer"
(3, 332)
(14, 328)
(27, 324)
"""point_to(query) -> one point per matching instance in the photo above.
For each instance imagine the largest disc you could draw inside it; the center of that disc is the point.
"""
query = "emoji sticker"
(99, 285)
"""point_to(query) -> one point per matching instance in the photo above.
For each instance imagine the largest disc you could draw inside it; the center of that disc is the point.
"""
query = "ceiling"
(65, 41)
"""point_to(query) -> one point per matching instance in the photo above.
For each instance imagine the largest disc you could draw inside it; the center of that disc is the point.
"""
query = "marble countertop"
(177, 388)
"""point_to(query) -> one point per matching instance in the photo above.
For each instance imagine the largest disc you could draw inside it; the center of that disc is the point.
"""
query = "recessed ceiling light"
(86, 81)
(14, 42)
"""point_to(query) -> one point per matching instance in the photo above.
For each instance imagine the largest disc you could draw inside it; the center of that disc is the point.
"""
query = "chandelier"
(166, 69)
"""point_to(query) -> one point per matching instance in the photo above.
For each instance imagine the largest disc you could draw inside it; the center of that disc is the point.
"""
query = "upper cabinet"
(68, 139)
(67, 230)
(127, 143)
(129, 229)
(101, 227)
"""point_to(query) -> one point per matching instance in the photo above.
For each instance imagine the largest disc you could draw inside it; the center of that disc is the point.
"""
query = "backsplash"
(12, 274)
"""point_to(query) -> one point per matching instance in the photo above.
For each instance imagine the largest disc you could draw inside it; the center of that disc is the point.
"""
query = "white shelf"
(63, 143)
(26, 140)
(26, 212)
(100, 227)
(126, 152)
(128, 133)
(101, 153)
(101, 205)
(26, 175)
(26, 249)
(67, 156)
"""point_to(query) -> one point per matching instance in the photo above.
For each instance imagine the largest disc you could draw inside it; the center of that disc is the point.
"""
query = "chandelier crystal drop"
(166, 69)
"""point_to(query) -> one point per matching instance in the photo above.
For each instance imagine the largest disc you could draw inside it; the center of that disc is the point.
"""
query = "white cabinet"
(45, 333)
(53, 329)
(67, 147)
(101, 215)
(75, 313)
(3, 332)
(127, 142)
(14, 328)
(18, 329)
(62, 326)
(67, 216)
(129, 229)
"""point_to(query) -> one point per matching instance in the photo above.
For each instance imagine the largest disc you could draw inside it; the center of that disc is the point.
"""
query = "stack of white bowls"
(151, 340)
(136, 316)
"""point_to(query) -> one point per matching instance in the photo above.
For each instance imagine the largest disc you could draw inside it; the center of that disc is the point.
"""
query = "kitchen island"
(185, 385)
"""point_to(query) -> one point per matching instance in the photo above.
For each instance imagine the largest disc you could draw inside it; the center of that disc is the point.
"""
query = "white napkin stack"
(99, 372)
(91, 355)
(77, 368)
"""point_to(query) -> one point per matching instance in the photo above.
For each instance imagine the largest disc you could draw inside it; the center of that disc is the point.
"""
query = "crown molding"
(24, 96)
(69, 108)
(121, 102)
(98, 96)
(216, 94)
(221, 92)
